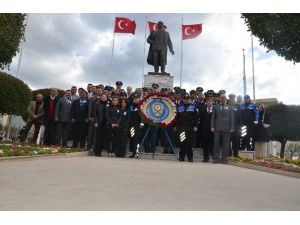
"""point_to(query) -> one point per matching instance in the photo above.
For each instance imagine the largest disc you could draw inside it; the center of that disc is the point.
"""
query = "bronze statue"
(159, 40)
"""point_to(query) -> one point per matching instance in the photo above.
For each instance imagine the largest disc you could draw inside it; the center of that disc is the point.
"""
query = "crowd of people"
(103, 118)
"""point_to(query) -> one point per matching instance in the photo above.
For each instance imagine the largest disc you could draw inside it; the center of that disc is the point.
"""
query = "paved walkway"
(90, 183)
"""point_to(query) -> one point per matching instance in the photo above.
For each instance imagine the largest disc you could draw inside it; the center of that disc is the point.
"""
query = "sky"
(62, 50)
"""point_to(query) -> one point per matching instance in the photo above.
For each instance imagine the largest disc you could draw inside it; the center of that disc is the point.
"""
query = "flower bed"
(25, 149)
(288, 165)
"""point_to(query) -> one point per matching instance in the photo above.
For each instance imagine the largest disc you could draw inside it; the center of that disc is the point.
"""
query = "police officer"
(249, 118)
(187, 126)
(119, 85)
(135, 125)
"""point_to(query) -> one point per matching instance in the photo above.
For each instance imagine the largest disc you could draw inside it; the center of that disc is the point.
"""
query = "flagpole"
(244, 73)
(112, 55)
(21, 50)
(181, 55)
(144, 59)
(253, 77)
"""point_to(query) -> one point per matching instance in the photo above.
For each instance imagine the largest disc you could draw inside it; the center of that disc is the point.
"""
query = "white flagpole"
(21, 50)
(112, 56)
(144, 59)
(253, 77)
(181, 55)
(244, 73)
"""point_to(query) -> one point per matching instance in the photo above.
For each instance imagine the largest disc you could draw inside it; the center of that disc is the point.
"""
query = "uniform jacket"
(113, 116)
(249, 113)
(188, 116)
(135, 119)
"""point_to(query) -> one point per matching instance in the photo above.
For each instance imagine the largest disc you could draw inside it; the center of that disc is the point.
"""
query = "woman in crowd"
(260, 135)
(100, 122)
(113, 117)
(125, 112)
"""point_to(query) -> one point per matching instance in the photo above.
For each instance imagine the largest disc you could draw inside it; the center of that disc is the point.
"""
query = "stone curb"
(264, 169)
(46, 156)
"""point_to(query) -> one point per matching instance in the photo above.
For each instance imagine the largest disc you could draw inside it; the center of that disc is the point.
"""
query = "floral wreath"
(158, 109)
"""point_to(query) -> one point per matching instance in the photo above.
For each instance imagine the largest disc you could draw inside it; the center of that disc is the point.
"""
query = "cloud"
(75, 49)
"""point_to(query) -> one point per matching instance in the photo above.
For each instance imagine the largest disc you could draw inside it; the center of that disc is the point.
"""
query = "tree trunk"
(283, 142)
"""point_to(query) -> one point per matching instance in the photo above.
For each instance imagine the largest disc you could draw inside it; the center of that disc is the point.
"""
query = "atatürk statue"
(159, 40)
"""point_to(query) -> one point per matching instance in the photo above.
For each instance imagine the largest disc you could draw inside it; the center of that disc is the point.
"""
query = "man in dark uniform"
(216, 98)
(249, 118)
(209, 93)
(159, 40)
(135, 125)
(235, 135)
(119, 85)
(187, 126)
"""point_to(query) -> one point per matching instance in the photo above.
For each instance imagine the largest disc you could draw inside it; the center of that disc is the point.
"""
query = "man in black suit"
(222, 125)
(207, 137)
(49, 122)
(79, 117)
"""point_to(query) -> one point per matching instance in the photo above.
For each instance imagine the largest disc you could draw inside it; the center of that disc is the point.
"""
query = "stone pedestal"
(164, 81)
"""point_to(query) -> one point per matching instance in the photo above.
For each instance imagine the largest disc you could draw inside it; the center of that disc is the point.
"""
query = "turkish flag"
(124, 25)
(153, 26)
(191, 31)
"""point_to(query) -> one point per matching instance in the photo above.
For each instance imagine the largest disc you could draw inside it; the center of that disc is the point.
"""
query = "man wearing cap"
(249, 118)
(222, 125)
(187, 126)
(135, 125)
(216, 98)
(119, 85)
(159, 40)
(199, 90)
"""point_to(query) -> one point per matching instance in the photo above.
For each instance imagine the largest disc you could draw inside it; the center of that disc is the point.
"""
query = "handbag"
(266, 125)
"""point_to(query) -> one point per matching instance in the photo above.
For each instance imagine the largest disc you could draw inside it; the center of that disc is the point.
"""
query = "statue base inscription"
(163, 80)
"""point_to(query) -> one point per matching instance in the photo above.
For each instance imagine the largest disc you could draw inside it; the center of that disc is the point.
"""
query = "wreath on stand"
(158, 110)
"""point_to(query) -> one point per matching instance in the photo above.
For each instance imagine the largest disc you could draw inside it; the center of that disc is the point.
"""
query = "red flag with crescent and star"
(153, 26)
(124, 25)
(191, 31)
